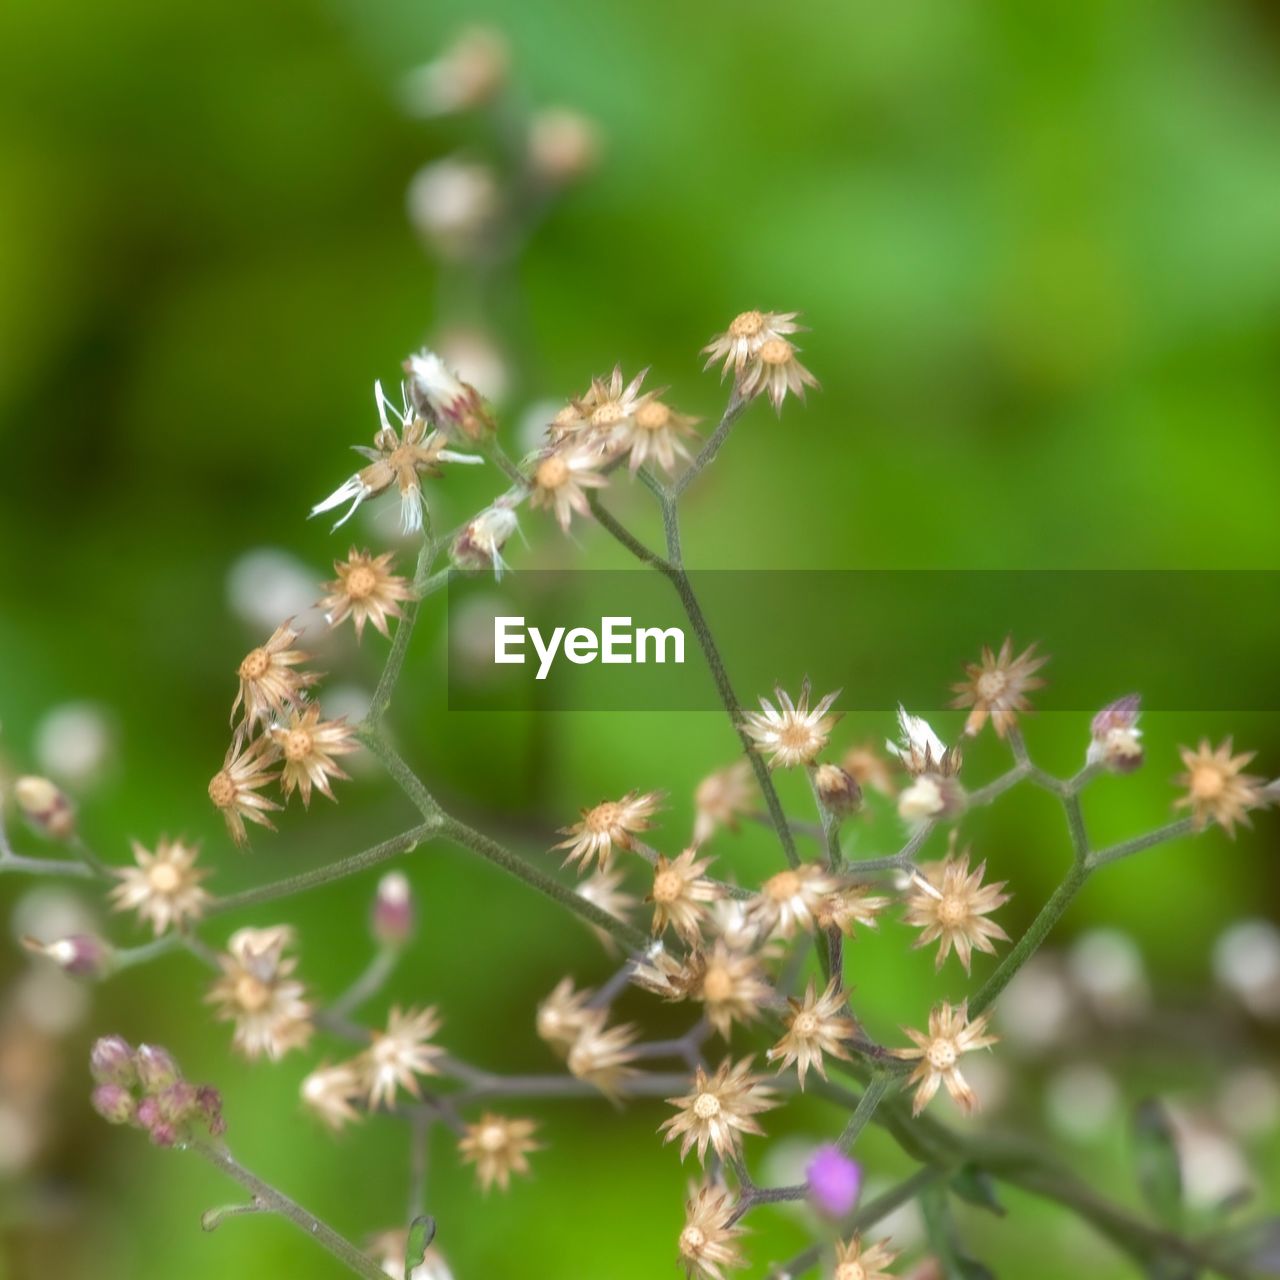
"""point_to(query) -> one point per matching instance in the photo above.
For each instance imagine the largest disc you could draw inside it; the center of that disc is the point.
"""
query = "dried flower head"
(479, 545)
(654, 430)
(997, 686)
(164, 888)
(259, 994)
(601, 1055)
(950, 904)
(921, 750)
(234, 788)
(1115, 741)
(849, 906)
(747, 333)
(816, 1025)
(791, 734)
(680, 894)
(609, 406)
(950, 1034)
(330, 1093)
(610, 823)
(401, 455)
(729, 984)
(563, 1015)
(270, 685)
(854, 1262)
(603, 888)
(396, 1057)
(709, 1241)
(719, 1110)
(774, 371)
(365, 590)
(1217, 788)
(791, 900)
(307, 747)
(838, 790)
(439, 395)
(561, 478)
(722, 798)
(498, 1147)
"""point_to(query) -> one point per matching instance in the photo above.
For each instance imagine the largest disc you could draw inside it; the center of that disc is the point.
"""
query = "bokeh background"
(1039, 250)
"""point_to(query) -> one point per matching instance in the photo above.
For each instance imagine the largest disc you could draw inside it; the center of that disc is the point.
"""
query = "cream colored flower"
(603, 889)
(307, 747)
(365, 590)
(921, 750)
(950, 904)
(1217, 789)
(608, 407)
(479, 545)
(849, 906)
(653, 430)
(791, 900)
(730, 985)
(601, 1055)
(610, 823)
(680, 894)
(164, 888)
(709, 1241)
(722, 798)
(997, 686)
(790, 734)
(259, 994)
(719, 1110)
(234, 788)
(330, 1092)
(775, 371)
(854, 1262)
(498, 1147)
(401, 455)
(396, 1057)
(816, 1025)
(563, 1015)
(747, 333)
(270, 684)
(560, 481)
(950, 1035)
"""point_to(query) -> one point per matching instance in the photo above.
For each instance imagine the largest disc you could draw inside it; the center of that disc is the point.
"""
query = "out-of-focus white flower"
(266, 584)
(531, 429)
(1106, 966)
(1082, 1101)
(51, 912)
(1246, 960)
(1249, 1103)
(1213, 1167)
(453, 204)
(477, 359)
(563, 145)
(73, 743)
(19, 1138)
(51, 1001)
(1037, 1008)
(469, 73)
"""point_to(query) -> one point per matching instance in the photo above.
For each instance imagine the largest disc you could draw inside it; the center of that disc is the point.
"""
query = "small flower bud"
(114, 1103)
(111, 1061)
(163, 1134)
(209, 1105)
(437, 393)
(81, 955)
(479, 545)
(839, 791)
(46, 807)
(392, 920)
(156, 1068)
(176, 1102)
(932, 797)
(1115, 740)
(834, 1182)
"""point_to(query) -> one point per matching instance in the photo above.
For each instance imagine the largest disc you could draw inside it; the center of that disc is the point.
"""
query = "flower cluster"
(143, 1087)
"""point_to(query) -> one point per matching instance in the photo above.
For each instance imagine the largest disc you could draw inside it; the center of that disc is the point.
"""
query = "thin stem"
(871, 1098)
(381, 699)
(16, 864)
(374, 977)
(1127, 848)
(707, 454)
(265, 1194)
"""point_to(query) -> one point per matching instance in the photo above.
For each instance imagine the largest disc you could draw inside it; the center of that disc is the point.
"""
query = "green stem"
(867, 1106)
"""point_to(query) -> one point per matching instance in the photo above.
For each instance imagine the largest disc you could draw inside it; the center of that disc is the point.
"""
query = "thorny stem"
(269, 1198)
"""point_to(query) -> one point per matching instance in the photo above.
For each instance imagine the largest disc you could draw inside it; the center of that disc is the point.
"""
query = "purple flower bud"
(114, 1103)
(834, 1181)
(177, 1102)
(156, 1068)
(111, 1061)
(81, 955)
(209, 1104)
(163, 1135)
(1116, 741)
(392, 921)
(46, 807)
(148, 1113)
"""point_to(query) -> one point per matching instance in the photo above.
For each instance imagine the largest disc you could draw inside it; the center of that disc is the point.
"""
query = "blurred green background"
(1039, 249)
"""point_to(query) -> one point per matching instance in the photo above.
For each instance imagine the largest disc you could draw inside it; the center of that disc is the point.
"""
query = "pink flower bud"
(209, 1105)
(46, 807)
(156, 1068)
(177, 1102)
(392, 921)
(111, 1061)
(114, 1103)
(81, 955)
(163, 1135)
(834, 1181)
(839, 791)
(1115, 740)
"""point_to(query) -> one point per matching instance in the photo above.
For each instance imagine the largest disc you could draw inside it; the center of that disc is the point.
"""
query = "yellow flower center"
(255, 665)
(952, 911)
(667, 886)
(805, 1023)
(798, 737)
(1208, 782)
(942, 1055)
(361, 582)
(297, 744)
(991, 684)
(717, 984)
(252, 994)
(776, 351)
(604, 817)
(222, 791)
(851, 1271)
(706, 1106)
(786, 884)
(692, 1241)
(747, 325)
(551, 473)
(492, 1138)
(653, 415)
(608, 414)
(164, 877)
